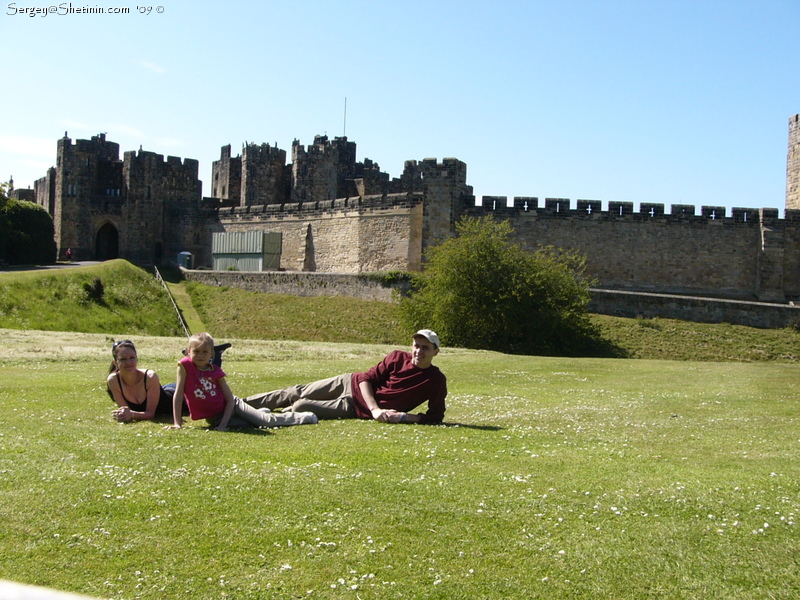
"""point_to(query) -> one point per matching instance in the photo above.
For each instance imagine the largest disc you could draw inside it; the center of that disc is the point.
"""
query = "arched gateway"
(107, 243)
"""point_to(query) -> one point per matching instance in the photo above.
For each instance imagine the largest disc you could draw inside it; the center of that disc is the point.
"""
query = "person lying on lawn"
(137, 392)
(401, 382)
(203, 385)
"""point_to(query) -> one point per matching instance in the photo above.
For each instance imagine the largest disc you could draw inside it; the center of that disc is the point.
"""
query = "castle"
(338, 215)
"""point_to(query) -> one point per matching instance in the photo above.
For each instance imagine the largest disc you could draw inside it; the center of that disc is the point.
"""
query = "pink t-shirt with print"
(202, 391)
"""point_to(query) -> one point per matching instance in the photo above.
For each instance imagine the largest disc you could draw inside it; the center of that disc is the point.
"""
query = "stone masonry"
(793, 165)
(339, 215)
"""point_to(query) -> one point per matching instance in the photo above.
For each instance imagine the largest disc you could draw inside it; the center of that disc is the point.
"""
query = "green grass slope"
(132, 301)
(234, 312)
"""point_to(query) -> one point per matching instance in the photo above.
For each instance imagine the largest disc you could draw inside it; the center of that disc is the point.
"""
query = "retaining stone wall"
(694, 308)
(297, 284)
(608, 302)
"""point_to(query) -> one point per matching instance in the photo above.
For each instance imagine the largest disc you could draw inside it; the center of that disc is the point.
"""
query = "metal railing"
(181, 320)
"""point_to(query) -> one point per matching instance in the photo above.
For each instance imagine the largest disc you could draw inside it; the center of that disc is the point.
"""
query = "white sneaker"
(307, 418)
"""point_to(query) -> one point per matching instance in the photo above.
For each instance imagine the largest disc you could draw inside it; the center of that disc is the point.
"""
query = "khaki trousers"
(330, 398)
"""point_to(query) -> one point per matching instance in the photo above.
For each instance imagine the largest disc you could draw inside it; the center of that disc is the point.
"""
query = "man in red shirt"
(398, 384)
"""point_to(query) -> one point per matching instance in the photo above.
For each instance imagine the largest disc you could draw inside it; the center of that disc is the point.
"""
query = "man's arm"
(402, 417)
(380, 414)
(372, 404)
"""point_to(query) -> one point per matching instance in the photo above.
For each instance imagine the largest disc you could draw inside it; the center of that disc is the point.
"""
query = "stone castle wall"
(750, 254)
(341, 236)
(298, 284)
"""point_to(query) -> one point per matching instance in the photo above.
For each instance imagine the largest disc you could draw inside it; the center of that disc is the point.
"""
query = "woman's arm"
(177, 398)
(226, 415)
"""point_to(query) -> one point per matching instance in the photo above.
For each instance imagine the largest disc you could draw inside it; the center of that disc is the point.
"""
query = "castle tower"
(315, 171)
(84, 171)
(793, 165)
(152, 185)
(45, 191)
(346, 166)
(226, 177)
(262, 175)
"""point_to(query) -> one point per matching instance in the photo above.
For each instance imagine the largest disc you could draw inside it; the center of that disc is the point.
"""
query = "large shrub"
(26, 233)
(481, 290)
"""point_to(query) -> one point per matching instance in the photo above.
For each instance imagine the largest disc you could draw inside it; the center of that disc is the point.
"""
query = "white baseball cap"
(430, 336)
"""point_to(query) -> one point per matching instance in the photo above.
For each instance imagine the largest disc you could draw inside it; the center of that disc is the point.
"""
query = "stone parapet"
(694, 308)
(364, 287)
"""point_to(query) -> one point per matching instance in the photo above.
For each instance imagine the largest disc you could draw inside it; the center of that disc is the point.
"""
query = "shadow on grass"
(469, 426)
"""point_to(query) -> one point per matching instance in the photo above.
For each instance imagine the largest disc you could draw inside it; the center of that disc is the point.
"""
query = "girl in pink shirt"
(208, 396)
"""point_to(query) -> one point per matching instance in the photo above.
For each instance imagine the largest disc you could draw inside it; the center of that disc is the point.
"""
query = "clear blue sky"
(671, 101)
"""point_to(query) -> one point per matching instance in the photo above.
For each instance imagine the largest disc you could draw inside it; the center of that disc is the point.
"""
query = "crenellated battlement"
(96, 149)
(263, 151)
(593, 209)
(375, 202)
(173, 165)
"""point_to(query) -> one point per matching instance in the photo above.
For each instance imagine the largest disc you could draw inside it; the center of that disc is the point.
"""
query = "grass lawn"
(553, 478)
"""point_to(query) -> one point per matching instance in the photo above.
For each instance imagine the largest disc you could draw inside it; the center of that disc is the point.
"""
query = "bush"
(95, 290)
(480, 290)
(26, 233)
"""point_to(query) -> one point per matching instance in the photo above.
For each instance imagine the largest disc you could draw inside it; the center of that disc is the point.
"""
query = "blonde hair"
(200, 339)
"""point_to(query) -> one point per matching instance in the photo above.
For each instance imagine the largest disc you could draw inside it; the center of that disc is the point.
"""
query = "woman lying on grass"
(206, 391)
(137, 392)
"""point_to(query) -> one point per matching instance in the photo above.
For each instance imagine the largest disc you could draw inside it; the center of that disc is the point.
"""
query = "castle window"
(148, 192)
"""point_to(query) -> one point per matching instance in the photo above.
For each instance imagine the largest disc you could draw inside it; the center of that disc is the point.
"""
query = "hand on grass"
(122, 414)
(388, 416)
